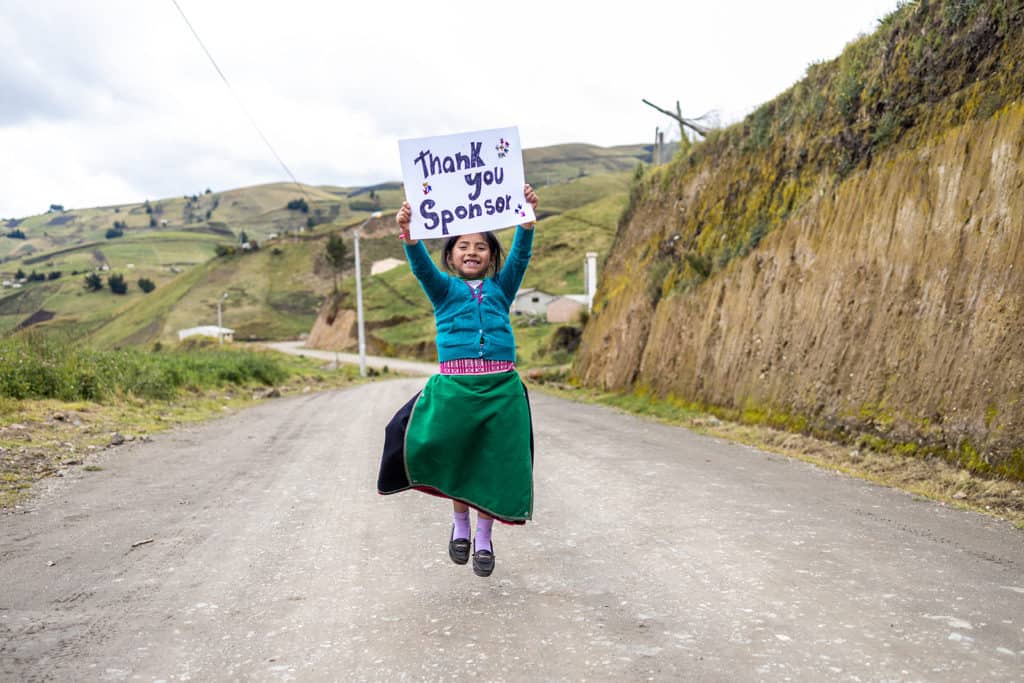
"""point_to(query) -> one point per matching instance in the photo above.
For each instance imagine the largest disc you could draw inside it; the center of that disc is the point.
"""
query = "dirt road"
(256, 548)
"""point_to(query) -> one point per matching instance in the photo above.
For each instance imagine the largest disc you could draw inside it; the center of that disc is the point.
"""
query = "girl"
(468, 435)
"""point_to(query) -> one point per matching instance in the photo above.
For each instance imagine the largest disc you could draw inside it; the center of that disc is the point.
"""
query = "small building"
(531, 301)
(225, 333)
(567, 309)
(385, 265)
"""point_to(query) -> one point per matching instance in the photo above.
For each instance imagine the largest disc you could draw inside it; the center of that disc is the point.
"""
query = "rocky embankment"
(885, 304)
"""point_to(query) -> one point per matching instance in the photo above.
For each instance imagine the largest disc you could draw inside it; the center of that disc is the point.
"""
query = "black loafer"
(483, 561)
(458, 549)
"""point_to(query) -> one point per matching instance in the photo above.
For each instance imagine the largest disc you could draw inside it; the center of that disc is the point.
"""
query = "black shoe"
(458, 549)
(483, 561)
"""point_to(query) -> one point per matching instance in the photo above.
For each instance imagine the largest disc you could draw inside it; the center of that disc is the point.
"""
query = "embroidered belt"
(475, 366)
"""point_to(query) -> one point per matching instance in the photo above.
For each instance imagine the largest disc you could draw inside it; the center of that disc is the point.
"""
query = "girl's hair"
(492, 244)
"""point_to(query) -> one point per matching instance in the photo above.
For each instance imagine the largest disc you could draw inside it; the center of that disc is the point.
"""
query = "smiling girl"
(468, 435)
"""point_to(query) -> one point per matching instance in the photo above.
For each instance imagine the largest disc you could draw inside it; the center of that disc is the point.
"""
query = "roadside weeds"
(44, 438)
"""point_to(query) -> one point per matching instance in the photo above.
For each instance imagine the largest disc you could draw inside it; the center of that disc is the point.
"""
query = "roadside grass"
(929, 478)
(42, 437)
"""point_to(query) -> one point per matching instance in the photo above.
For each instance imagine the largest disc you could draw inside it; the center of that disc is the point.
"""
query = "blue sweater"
(467, 327)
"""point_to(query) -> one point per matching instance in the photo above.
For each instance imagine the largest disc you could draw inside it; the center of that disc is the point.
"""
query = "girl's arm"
(511, 275)
(433, 281)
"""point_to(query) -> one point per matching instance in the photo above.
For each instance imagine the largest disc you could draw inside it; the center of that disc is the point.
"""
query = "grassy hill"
(276, 291)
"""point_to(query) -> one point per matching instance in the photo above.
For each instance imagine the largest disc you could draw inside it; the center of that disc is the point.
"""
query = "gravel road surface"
(256, 548)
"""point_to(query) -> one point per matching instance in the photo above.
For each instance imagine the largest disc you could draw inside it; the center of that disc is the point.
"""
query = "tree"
(56, 207)
(298, 205)
(17, 234)
(242, 237)
(93, 282)
(54, 275)
(335, 254)
(146, 285)
(113, 233)
(20, 275)
(117, 284)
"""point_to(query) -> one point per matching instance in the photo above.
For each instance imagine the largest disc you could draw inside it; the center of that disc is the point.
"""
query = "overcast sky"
(114, 101)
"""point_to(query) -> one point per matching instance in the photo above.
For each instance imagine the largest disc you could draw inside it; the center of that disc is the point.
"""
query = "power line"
(241, 105)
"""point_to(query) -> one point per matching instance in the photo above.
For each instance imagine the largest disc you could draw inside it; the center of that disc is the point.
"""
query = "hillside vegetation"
(847, 261)
(190, 249)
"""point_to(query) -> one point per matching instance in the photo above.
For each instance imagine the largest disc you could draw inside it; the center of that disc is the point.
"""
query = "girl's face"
(471, 256)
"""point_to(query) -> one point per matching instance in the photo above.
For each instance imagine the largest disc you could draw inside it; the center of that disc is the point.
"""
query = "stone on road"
(655, 554)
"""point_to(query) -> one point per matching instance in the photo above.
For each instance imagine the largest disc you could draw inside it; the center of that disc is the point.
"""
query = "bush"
(146, 285)
(298, 205)
(117, 284)
(92, 282)
(114, 233)
(54, 275)
(17, 234)
(35, 367)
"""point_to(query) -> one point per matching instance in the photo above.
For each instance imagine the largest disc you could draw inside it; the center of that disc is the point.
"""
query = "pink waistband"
(475, 366)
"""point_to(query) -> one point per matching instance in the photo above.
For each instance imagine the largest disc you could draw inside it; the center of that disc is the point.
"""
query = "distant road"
(408, 367)
(255, 548)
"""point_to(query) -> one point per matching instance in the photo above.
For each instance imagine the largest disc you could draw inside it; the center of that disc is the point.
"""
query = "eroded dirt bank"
(891, 305)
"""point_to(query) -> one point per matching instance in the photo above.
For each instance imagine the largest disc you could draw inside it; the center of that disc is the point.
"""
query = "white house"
(531, 302)
(207, 331)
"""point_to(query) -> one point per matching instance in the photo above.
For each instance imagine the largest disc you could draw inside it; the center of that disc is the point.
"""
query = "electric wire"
(241, 105)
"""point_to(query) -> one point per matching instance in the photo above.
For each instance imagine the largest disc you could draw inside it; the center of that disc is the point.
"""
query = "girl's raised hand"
(531, 198)
(403, 217)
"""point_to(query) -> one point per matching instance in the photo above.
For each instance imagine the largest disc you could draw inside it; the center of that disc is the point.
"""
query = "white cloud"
(114, 101)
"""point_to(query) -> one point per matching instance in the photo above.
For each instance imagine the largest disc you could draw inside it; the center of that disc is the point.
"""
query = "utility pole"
(684, 123)
(359, 295)
(220, 326)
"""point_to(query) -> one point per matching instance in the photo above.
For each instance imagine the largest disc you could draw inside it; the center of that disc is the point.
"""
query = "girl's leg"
(461, 529)
(458, 544)
(483, 551)
(484, 523)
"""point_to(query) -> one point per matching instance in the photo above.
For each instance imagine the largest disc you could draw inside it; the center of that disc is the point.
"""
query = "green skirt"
(468, 438)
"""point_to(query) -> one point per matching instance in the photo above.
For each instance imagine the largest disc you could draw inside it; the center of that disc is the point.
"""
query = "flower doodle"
(426, 187)
(502, 148)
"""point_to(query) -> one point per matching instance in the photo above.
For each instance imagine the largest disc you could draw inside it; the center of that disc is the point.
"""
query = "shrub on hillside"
(36, 367)
(113, 233)
(92, 282)
(117, 284)
(298, 205)
(146, 285)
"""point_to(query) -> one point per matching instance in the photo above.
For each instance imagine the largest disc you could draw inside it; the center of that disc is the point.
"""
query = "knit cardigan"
(469, 326)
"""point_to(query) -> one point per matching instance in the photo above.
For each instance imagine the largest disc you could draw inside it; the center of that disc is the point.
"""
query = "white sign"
(464, 183)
